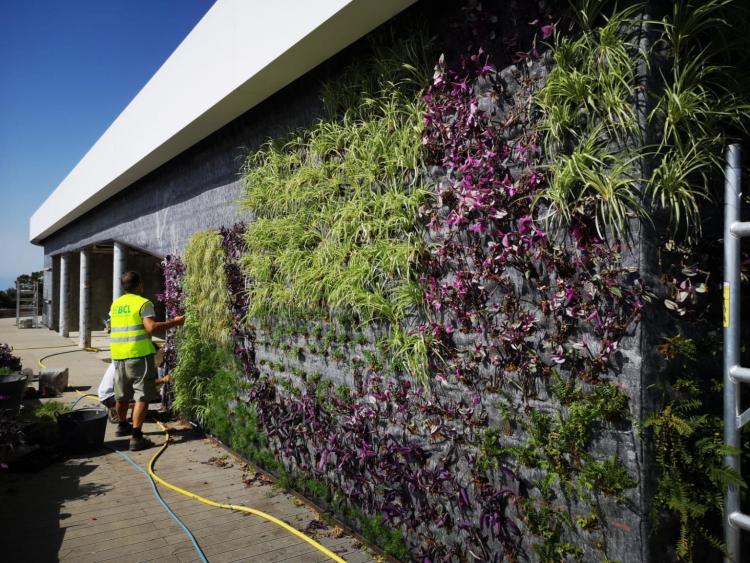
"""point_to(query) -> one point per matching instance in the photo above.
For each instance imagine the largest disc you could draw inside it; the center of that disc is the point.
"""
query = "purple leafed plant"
(174, 271)
(8, 360)
(545, 299)
(173, 300)
(510, 304)
(243, 334)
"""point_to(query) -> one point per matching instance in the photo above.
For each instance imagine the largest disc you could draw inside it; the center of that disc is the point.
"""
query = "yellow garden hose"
(41, 360)
(236, 507)
(44, 347)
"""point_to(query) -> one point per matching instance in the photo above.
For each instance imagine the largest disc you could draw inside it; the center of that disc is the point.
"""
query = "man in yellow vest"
(133, 323)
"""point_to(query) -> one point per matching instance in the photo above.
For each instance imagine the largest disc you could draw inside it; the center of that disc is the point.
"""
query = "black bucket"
(82, 430)
(12, 388)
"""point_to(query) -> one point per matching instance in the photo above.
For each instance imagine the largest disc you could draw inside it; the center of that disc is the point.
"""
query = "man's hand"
(166, 379)
(153, 326)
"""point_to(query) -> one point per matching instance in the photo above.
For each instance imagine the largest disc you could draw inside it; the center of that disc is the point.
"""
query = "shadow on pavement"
(31, 516)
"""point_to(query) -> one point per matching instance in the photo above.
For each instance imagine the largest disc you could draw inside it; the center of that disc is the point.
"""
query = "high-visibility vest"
(128, 338)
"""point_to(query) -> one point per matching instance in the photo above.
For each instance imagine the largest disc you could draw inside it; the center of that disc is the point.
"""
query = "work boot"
(124, 429)
(138, 443)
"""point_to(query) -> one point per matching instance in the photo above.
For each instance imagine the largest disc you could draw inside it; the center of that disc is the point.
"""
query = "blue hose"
(166, 507)
(163, 503)
(73, 406)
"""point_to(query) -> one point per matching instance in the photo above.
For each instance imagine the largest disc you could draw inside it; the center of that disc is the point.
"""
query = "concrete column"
(84, 302)
(120, 266)
(48, 299)
(18, 303)
(64, 294)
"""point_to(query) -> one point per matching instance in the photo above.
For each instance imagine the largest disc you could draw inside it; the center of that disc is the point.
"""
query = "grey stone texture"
(53, 381)
(158, 214)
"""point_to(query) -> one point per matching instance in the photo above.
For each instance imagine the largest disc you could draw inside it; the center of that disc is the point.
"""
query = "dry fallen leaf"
(218, 462)
(257, 478)
(314, 526)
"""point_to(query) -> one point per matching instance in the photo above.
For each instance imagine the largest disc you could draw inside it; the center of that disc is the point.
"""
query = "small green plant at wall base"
(195, 367)
(375, 531)
(221, 394)
(550, 525)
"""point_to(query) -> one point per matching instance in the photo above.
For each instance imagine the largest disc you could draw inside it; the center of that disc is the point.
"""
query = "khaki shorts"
(134, 379)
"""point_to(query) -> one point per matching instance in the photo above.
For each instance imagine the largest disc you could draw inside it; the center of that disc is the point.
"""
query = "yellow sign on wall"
(726, 305)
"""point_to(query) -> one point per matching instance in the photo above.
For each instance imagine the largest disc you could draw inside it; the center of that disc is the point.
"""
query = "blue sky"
(67, 69)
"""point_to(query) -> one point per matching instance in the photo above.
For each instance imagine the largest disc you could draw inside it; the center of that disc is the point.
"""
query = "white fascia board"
(240, 53)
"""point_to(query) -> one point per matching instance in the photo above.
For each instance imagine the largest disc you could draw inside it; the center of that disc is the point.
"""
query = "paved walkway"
(99, 508)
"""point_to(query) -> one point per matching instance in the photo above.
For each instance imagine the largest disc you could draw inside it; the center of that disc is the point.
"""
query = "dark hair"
(130, 281)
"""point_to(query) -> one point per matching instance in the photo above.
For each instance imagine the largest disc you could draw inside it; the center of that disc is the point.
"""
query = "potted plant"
(12, 381)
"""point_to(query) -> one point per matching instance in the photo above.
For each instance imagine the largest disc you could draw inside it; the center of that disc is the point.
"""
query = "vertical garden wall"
(434, 324)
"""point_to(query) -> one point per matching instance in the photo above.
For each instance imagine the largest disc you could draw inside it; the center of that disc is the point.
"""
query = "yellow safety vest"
(128, 338)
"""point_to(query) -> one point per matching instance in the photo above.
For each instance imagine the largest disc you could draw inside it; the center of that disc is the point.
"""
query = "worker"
(106, 391)
(132, 352)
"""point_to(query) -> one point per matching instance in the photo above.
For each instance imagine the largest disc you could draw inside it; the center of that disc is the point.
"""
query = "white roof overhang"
(240, 53)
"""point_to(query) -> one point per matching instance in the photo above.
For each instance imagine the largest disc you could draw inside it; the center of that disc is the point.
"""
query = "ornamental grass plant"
(636, 113)
(204, 342)
(337, 205)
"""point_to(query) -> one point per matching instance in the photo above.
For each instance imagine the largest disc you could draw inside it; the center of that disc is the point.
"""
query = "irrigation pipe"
(127, 458)
(154, 489)
(82, 397)
(164, 505)
(44, 347)
(236, 507)
(41, 360)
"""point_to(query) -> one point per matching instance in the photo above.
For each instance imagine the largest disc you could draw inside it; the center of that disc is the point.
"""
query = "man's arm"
(153, 326)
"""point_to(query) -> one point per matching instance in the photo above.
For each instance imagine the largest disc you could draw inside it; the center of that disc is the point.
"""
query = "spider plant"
(593, 137)
(205, 286)
(337, 205)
